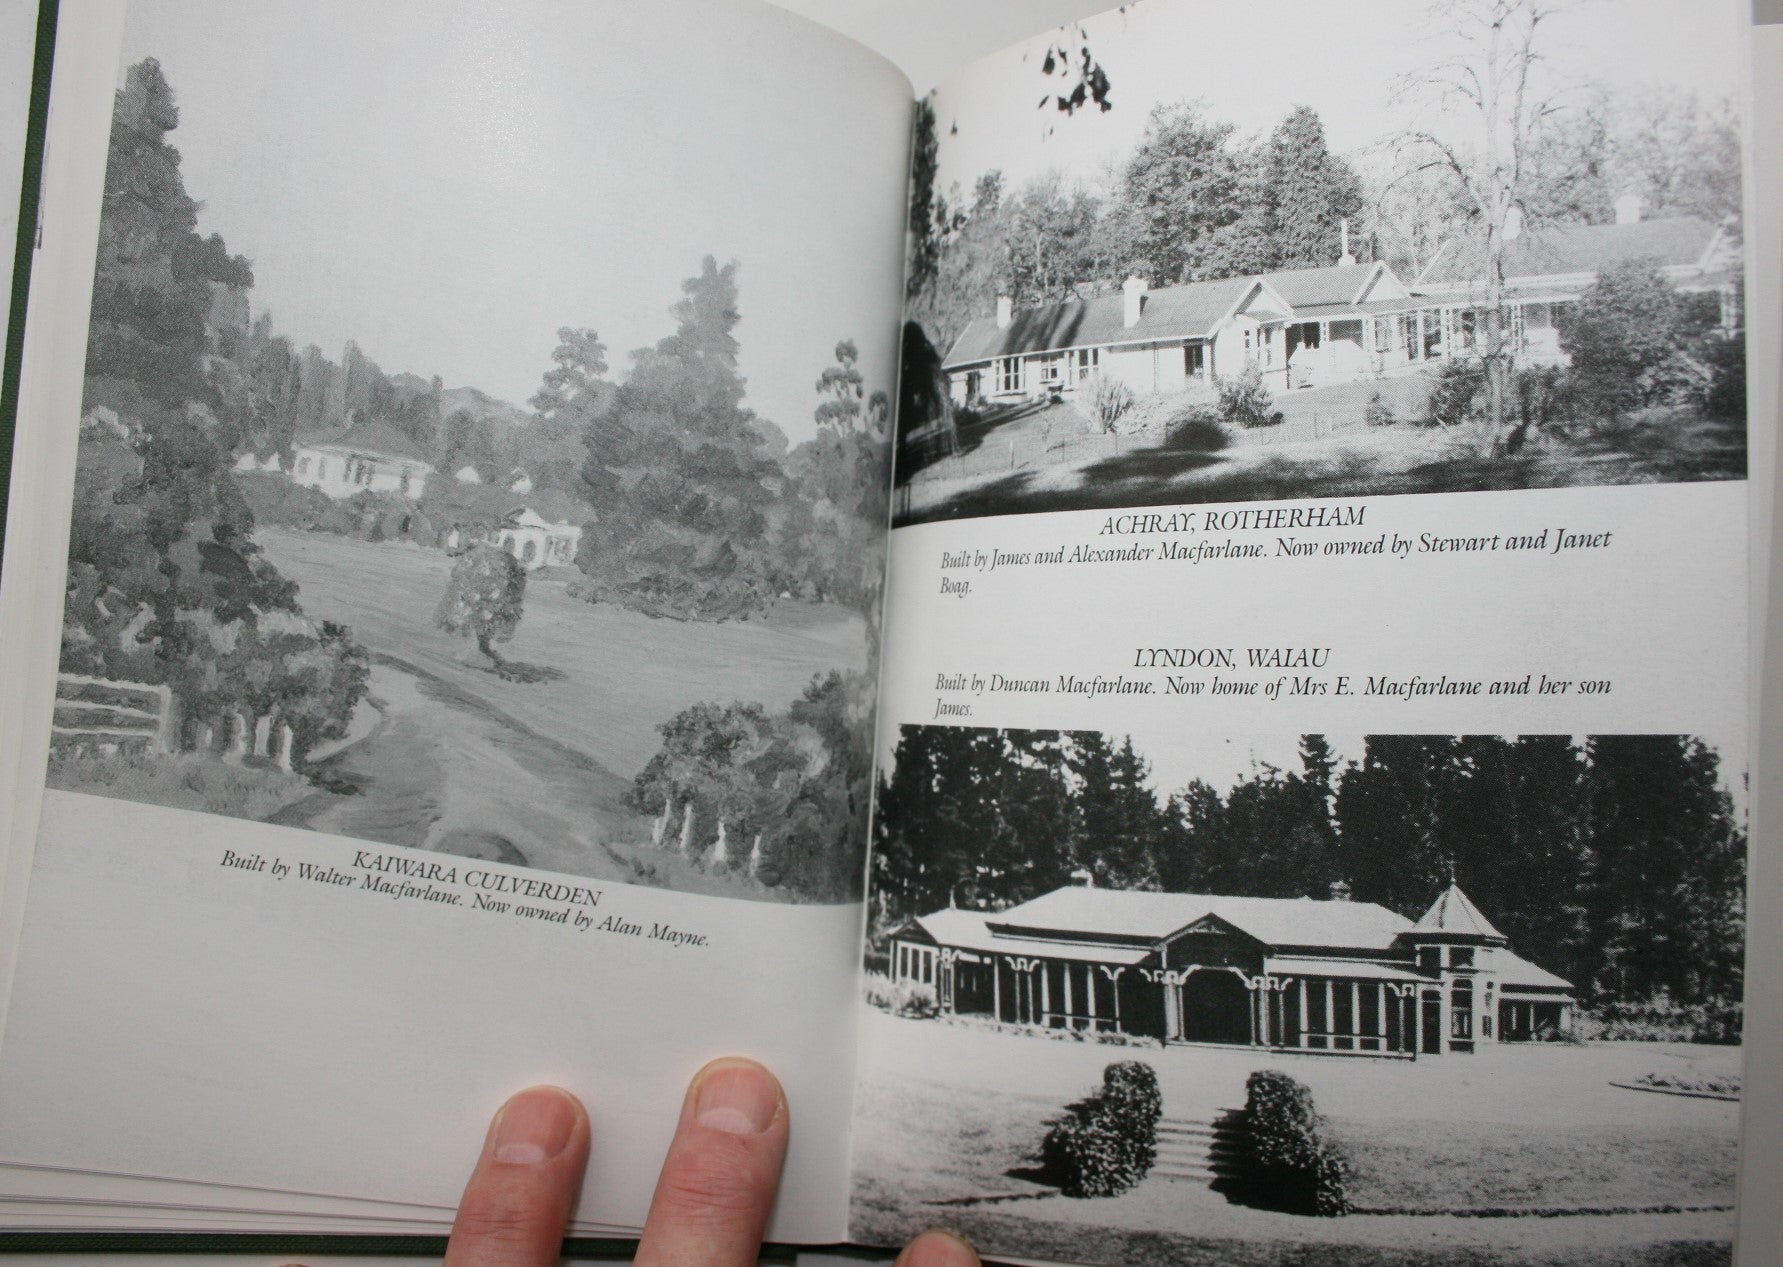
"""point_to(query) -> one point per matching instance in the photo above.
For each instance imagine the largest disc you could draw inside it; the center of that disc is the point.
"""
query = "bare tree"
(1496, 79)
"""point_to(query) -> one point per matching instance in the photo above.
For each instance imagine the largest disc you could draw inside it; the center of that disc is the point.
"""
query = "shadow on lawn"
(1163, 475)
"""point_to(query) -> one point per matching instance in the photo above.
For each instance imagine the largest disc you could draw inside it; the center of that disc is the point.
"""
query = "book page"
(1312, 820)
(442, 587)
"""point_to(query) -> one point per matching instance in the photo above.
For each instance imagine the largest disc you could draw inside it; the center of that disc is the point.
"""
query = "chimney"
(1133, 301)
(1343, 233)
(1084, 877)
(1628, 209)
(1005, 311)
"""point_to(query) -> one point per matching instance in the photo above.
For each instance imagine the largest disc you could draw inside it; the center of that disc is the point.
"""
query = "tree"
(1667, 893)
(1116, 822)
(1496, 78)
(1312, 191)
(924, 231)
(483, 599)
(1393, 815)
(1074, 77)
(683, 472)
(579, 363)
(1051, 243)
(970, 262)
(1630, 336)
(1180, 188)
(840, 388)
(153, 275)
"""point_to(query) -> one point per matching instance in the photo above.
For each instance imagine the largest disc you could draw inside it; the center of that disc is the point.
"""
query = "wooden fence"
(99, 716)
(103, 717)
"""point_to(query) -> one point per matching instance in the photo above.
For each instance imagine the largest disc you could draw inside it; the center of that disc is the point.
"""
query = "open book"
(1276, 789)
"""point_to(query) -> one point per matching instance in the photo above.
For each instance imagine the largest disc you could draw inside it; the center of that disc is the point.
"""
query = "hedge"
(1107, 1142)
(1288, 1163)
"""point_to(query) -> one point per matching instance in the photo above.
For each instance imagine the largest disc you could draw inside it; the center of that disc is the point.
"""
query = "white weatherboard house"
(536, 541)
(1335, 977)
(1301, 327)
(1552, 266)
(1315, 326)
(365, 458)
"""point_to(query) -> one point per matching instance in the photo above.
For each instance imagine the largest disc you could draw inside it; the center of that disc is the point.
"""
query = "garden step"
(1190, 1151)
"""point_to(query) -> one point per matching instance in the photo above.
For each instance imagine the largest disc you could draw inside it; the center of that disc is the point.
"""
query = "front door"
(1216, 1007)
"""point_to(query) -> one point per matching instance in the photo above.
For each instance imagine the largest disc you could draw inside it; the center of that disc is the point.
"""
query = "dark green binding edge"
(307, 1246)
(36, 119)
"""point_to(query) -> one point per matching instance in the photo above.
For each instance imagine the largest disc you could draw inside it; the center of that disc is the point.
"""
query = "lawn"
(945, 1113)
(1023, 467)
(1406, 1166)
(622, 674)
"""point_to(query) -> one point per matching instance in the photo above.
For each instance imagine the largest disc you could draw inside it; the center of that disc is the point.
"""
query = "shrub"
(1109, 399)
(1661, 1020)
(902, 998)
(1287, 1161)
(1455, 398)
(1198, 431)
(1630, 338)
(1107, 1142)
(1244, 401)
(1379, 413)
(1726, 362)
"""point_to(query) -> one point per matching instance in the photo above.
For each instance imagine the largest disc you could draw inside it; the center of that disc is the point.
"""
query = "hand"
(712, 1199)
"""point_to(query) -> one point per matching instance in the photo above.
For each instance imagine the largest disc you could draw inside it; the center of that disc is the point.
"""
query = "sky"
(1252, 61)
(447, 183)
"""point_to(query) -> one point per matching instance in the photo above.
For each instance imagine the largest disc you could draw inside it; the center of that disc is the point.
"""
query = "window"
(1194, 360)
(303, 466)
(1461, 1010)
(1430, 958)
(1009, 374)
(1383, 334)
(1460, 956)
(1086, 362)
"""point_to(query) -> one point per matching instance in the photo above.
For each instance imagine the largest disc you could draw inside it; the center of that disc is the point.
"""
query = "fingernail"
(938, 1248)
(737, 1096)
(534, 1126)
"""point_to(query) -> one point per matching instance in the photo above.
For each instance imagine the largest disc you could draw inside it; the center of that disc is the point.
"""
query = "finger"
(936, 1248)
(723, 1168)
(518, 1200)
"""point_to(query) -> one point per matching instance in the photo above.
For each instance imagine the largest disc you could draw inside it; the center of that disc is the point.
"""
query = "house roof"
(1157, 916)
(1513, 971)
(1348, 969)
(1337, 284)
(1454, 913)
(1562, 249)
(1190, 311)
(367, 437)
(969, 930)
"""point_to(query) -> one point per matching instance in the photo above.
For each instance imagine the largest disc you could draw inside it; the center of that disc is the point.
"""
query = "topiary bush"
(1288, 1163)
(1107, 1142)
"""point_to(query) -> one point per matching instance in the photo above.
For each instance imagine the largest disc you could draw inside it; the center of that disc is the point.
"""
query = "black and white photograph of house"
(1251, 252)
(480, 455)
(1390, 998)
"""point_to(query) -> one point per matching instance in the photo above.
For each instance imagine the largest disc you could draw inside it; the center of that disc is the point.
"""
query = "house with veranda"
(1335, 977)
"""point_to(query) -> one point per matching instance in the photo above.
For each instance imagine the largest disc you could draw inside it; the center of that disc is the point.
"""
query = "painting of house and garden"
(623, 630)
(1257, 252)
